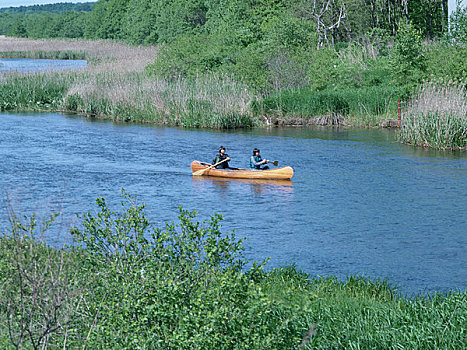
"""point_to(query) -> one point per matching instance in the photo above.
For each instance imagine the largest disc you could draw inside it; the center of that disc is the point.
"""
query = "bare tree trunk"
(406, 10)
(322, 12)
(444, 15)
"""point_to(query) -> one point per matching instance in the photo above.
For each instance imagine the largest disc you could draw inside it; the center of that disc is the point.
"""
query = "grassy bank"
(116, 86)
(353, 107)
(128, 284)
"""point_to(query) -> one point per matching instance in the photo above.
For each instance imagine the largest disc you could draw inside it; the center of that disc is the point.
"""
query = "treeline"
(54, 8)
(162, 21)
(69, 24)
(61, 20)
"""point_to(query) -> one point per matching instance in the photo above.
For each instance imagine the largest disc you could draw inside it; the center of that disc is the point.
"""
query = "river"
(39, 65)
(359, 203)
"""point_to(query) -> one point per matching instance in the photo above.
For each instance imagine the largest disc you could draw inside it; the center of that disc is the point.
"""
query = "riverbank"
(127, 284)
(117, 85)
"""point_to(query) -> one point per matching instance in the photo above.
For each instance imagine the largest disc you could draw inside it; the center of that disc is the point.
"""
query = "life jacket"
(220, 157)
(257, 159)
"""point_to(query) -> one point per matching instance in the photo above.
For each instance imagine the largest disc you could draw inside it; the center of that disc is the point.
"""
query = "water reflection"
(256, 186)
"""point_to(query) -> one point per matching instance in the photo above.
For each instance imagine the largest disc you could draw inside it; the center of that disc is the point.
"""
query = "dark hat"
(221, 147)
(255, 150)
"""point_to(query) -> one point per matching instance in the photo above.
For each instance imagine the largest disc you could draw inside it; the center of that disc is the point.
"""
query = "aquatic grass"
(359, 107)
(34, 92)
(206, 101)
(434, 130)
(60, 54)
(437, 116)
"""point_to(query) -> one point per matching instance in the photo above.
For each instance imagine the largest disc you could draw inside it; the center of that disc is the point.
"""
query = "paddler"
(220, 157)
(257, 162)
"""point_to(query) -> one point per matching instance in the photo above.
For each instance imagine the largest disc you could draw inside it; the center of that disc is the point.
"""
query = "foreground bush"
(127, 285)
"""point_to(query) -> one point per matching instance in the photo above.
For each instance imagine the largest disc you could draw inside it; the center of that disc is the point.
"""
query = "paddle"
(201, 172)
(275, 162)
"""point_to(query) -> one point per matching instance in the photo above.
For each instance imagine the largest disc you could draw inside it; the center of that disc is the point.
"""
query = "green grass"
(359, 313)
(364, 106)
(34, 92)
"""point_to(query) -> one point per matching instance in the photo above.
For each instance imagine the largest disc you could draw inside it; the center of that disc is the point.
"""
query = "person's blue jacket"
(256, 162)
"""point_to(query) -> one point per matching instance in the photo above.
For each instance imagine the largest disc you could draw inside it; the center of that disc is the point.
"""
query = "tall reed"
(34, 92)
(437, 116)
(206, 101)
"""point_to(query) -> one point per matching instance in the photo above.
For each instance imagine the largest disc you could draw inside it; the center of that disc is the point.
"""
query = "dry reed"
(437, 116)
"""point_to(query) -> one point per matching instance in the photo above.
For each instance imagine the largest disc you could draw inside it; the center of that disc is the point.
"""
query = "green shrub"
(178, 287)
(443, 60)
(407, 58)
(191, 55)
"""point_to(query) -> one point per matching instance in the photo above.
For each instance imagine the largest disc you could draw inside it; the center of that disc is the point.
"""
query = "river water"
(39, 65)
(359, 203)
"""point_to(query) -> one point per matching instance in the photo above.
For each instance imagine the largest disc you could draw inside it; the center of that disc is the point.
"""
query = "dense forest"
(65, 20)
(141, 21)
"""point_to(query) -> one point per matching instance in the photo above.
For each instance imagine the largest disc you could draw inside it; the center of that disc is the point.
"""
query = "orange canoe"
(284, 173)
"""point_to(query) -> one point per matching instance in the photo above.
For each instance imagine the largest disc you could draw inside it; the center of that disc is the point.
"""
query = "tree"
(407, 58)
(328, 16)
(139, 23)
(458, 24)
(17, 29)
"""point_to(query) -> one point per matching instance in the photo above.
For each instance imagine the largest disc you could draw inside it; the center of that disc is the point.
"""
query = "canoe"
(284, 173)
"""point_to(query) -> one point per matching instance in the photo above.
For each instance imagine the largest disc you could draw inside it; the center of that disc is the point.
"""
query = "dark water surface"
(39, 65)
(359, 202)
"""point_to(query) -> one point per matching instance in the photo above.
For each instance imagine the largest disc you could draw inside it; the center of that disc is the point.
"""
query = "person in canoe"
(220, 157)
(257, 162)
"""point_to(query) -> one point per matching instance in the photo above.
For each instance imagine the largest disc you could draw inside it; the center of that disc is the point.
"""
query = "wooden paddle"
(201, 172)
(275, 162)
